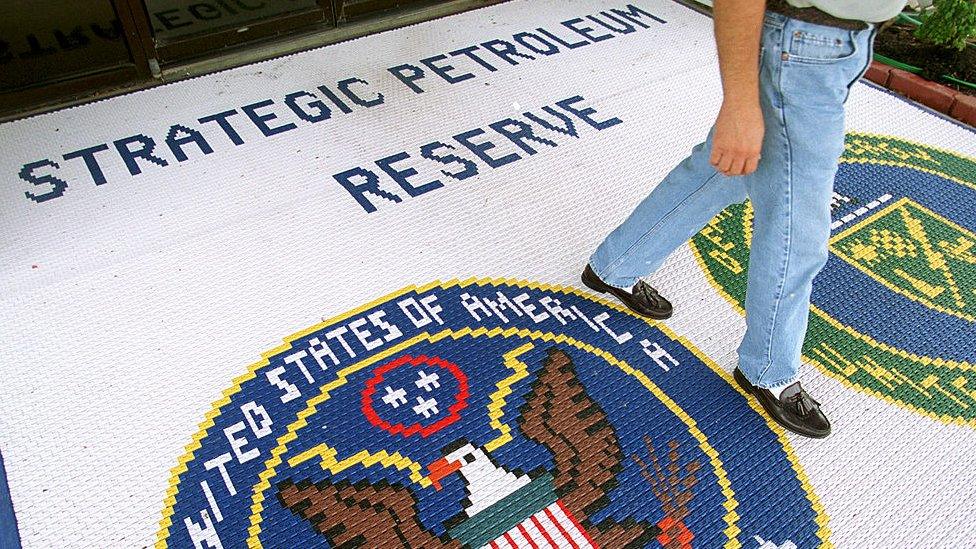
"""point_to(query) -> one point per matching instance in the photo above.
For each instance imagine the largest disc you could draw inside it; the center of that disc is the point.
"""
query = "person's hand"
(738, 138)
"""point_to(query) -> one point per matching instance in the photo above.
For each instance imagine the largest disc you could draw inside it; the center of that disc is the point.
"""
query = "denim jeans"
(806, 72)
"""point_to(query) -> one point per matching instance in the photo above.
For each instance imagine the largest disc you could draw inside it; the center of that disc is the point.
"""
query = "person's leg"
(675, 210)
(809, 72)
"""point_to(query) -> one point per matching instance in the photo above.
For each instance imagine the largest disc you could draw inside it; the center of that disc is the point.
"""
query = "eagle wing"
(559, 414)
(360, 514)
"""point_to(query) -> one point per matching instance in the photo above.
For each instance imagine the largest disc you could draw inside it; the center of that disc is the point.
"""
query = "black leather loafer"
(642, 298)
(794, 409)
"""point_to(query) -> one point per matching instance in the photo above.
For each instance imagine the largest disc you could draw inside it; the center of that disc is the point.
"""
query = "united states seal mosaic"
(488, 414)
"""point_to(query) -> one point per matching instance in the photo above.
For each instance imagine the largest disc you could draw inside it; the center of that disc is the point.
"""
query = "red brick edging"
(931, 94)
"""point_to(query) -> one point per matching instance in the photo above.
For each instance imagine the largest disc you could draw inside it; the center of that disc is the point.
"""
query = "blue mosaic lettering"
(444, 70)
(505, 50)
(480, 149)
(401, 176)
(408, 74)
(322, 112)
(584, 114)
(370, 185)
(633, 14)
(335, 99)
(261, 120)
(469, 53)
(627, 28)
(569, 129)
(57, 185)
(520, 135)
(560, 41)
(145, 152)
(90, 162)
(345, 86)
(585, 32)
(221, 120)
(523, 39)
(470, 168)
(191, 136)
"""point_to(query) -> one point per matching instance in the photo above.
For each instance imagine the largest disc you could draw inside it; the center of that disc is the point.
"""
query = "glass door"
(183, 30)
(47, 41)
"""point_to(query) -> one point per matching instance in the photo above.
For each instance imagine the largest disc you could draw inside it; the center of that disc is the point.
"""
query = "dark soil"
(899, 43)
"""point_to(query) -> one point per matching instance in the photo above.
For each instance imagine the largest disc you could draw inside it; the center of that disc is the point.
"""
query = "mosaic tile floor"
(333, 299)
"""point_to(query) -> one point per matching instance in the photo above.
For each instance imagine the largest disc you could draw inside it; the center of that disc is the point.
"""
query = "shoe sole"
(747, 387)
(636, 312)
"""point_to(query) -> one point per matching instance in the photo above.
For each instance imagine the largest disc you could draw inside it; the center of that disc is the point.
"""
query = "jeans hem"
(763, 384)
(788, 381)
(601, 274)
(619, 287)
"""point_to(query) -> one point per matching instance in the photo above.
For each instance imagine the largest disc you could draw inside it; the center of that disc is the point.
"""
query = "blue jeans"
(806, 72)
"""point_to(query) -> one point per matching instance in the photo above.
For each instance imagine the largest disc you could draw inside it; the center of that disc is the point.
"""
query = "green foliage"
(953, 22)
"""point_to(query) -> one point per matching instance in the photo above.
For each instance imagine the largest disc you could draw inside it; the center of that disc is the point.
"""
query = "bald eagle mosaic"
(501, 507)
